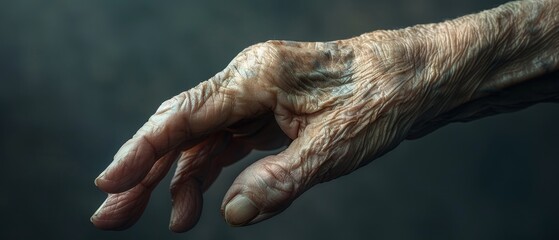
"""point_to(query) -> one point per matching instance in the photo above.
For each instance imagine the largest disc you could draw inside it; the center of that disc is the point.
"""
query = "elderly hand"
(337, 105)
(335, 113)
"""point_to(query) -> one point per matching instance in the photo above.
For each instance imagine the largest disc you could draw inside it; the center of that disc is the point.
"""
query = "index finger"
(178, 122)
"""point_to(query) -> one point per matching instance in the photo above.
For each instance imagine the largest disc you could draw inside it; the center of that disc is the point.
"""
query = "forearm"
(507, 58)
(505, 46)
(481, 64)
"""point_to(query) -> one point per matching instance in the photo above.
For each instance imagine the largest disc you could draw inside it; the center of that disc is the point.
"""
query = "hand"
(338, 105)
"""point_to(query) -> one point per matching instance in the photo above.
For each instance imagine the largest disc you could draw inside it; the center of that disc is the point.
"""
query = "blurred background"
(77, 78)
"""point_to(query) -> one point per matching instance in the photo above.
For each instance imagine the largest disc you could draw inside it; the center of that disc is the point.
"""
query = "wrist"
(417, 64)
(506, 46)
(493, 58)
(439, 68)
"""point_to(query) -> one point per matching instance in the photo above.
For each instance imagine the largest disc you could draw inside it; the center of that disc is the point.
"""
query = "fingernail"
(100, 177)
(95, 182)
(240, 211)
(97, 211)
(173, 220)
(102, 174)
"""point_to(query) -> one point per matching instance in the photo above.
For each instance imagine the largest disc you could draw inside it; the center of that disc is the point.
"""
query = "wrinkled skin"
(335, 105)
(315, 97)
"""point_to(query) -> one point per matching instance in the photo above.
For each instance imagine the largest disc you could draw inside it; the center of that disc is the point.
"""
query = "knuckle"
(266, 51)
(167, 105)
(254, 60)
(279, 174)
(278, 181)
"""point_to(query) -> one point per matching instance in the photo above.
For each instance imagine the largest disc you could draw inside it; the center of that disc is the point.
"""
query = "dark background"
(77, 78)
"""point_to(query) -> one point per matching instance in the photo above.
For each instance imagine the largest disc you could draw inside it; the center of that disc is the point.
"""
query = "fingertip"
(93, 218)
(103, 221)
(129, 167)
(110, 186)
(179, 227)
(261, 191)
(109, 225)
(240, 211)
(186, 207)
(180, 223)
(121, 211)
(100, 182)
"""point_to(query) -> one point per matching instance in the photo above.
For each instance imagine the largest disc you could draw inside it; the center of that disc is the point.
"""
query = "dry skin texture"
(337, 105)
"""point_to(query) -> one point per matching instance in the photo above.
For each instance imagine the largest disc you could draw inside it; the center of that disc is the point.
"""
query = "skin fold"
(335, 105)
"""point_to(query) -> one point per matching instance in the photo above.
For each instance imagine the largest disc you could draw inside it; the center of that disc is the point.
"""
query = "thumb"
(270, 185)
